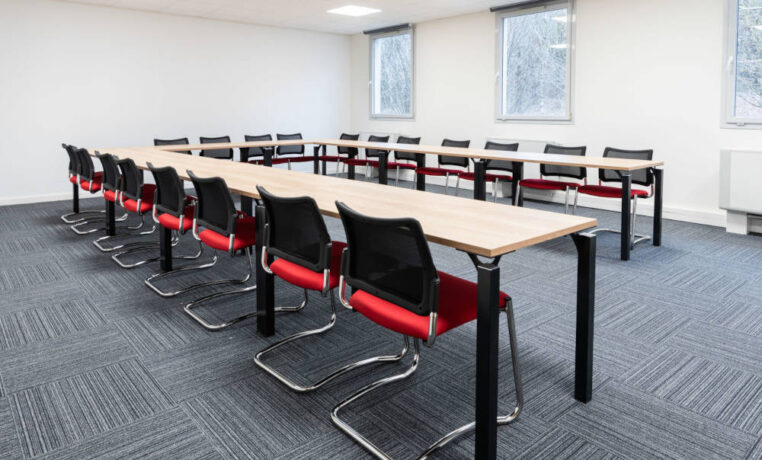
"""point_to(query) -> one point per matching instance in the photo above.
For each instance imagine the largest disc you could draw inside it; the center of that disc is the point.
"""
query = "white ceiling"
(308, 14)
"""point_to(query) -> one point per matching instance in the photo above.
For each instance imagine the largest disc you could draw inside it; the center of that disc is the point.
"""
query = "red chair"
(342, 153)
(89, 181)
(74, 173)
(571, 172)
(445, 160)
(287, 154)
(368, 161)
(499, 168)
(402, 159)
(255, 155)
(396, 285)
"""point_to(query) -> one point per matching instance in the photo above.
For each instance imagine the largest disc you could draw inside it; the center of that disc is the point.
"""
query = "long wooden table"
(479, 156)
(479, 228)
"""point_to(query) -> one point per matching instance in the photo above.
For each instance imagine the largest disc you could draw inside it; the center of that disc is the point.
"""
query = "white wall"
(95, 76)
(648, 75)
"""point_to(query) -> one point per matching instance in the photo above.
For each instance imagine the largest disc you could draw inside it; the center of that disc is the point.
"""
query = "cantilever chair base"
(66, 218)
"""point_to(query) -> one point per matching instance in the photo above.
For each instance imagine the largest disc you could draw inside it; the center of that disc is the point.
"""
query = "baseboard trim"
(29, 199)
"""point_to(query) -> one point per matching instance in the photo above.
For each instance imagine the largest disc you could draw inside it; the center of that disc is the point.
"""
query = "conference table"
(484, 231)
(623, 166)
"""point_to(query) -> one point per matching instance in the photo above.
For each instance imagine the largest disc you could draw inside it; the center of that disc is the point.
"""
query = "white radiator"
(741, 187)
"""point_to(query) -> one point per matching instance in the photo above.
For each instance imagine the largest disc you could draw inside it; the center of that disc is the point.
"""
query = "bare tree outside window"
(748, 69)
(392, 75)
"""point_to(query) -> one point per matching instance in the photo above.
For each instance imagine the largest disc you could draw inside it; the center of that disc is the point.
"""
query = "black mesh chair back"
(643, 177)
(110, 180)
(375, 153)
(179, 141)
(501, 165)
(73, 160)
(289, 149)
(409, 156)
(225, 154)
(564, 171)
(131, 185)
(390, 259)
(349, 151)
(250, 152)
(215, 209)
(454, 161)
(170, 195)
(296, 231)
(86, 167)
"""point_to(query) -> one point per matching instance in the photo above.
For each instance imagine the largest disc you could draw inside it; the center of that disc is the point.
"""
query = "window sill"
(748, 125)
(529, 121)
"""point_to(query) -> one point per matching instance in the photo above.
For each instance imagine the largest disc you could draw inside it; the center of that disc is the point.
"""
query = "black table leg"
(480, 180)
(486, 359)
(383, 173)
(247, 205)
(658, 200)
(316, 159)
(165, 248)
(518, 175)
(268, 159)
(420, 179)
(583, 370)
(110, 218)
(350, 167)
(265, 282)
(626, 217)
(75, 198)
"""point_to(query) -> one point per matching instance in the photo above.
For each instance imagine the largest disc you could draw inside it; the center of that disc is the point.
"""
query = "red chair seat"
(373, 163)
(245, 236)
(544, 184)
(73, 179)
(397, 164)
(299, 159)
(457, 306)
(96, 185)
(306, 278)
(429, 171)
(490, 177)
(274, 161)
(609, 192)
(146, 202)
(173, 223)
(332, 158)
(355, 161)
(110, 195)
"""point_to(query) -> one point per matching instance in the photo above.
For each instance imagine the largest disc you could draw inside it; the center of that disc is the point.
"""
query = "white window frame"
(729, 119)
(571, 46)
(371, 80)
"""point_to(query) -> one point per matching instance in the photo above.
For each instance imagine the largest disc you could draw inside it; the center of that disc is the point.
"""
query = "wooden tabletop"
(480, 227)
(618, 164)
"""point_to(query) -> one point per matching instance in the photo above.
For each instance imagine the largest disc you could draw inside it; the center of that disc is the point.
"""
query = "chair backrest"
(501, 165)
(409, 156)
(248, 152)
(350, 151)
(564, 171)
(179, 141)
(170, 194)
(454, 161)
(73, 160)
(131, 185)
(215, 209)
(390, 259)
(86, 167)
(110, 180)
(375, 153)
(296, 231)
(643, 177)
(289, 149)
(226, 154)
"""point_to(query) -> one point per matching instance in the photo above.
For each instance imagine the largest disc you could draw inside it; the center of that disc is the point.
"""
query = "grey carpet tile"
(162, 331)
(76, 408)
(686, 302)
(10, 448)
(23, 245)
(735, 349)
(38, 324)
(43, 362)
(169, 434)
(739, 316)
(560, 444)
(632, 319)
(721, 393)
(633, 424)
(703, 281)
(756, 451)
(14, 277)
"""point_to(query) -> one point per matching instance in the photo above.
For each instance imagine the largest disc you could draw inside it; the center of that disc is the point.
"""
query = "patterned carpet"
(94, 365)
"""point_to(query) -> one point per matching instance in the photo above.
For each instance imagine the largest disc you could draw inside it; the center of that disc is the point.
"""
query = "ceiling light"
(354, 10)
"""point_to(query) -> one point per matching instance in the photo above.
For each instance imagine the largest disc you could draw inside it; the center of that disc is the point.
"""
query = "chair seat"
(430, 171)
(544, 184)
(489, 177)
(355, 161)
(96, 185)
(171, 222)
(609, 192)
(296, 159)
(146, 202)
(457, 306)
(397, 164)
(110, 195)
(304, 277)
(331, 158)
(245, 236)
(73, 179)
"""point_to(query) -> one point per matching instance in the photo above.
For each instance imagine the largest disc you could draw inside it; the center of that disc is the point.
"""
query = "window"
(391, 69)
(535, 62)
(743, 79)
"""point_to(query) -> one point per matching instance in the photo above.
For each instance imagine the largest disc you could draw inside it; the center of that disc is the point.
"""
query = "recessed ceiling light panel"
(354, 10)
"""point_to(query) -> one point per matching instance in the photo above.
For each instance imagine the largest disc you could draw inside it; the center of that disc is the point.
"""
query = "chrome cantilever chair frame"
(635, 238)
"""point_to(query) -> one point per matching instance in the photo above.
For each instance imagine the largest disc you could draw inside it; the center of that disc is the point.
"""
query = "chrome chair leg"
(635, 238)
(447, 182)
(397, 177)
(566, 201)
(351, 432)
(75, 227)
(457, 185)
(98, 241)
(576, 199)
(338, 372)
(494, 191)
(67, 217)
(142, 246)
